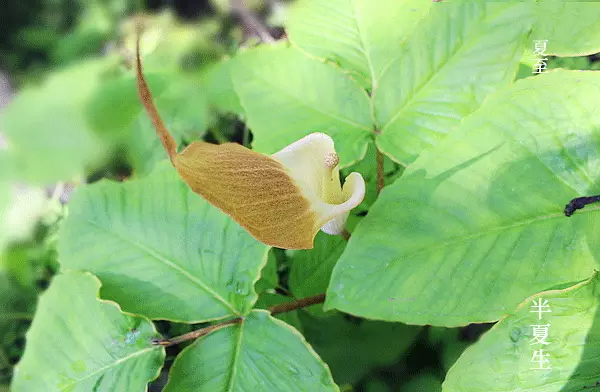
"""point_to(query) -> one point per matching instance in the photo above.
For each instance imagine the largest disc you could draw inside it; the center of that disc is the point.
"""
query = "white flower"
(313, 164)
(282, 200)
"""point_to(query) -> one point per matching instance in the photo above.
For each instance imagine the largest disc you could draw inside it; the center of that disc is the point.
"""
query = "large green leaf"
(476, 224)
(311, 269)
(507, 350)
(571, 27)
(161, 250)
(49, 138)
(287, 95)
(218, 86)
(261, 354)
(362, 36)
(78, 343)
(352, 347)
(452, 60)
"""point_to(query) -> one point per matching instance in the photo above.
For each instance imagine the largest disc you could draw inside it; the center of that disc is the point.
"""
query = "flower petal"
(254, 189)
(312, 163)
(353, 194)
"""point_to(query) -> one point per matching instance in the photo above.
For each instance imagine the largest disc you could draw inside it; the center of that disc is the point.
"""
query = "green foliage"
(261, 354)
(278, 83)
(39, 125)
(162, 251)
(360, 36)
(451, 77)
(506, 350)
(476, 224)
(352, 347)
(87, 343)
(93, 122)
(17, 304)
(570, 27)
(311, 270)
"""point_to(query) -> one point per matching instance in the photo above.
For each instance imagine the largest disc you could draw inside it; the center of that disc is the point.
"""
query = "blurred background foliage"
(76, 118)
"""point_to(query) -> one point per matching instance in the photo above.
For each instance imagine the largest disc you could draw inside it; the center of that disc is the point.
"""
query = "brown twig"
(197, 333)
(251, 21)
(345, 234)
(301, 303)
(380, 172)
(282, 308)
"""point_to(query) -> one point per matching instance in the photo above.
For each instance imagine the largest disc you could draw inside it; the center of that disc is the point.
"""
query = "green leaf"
(161, 250)
(287, 95)
(423, 382)
(218, 85)
(262, 354)
(311, 269)
(78, 343)
(266, 300)
(361, 36)
(571, 28)
(508, 349)
(48, 134)
(351, 347)
(269, 279)
(115, 104)
(457, 55)
(476, 224)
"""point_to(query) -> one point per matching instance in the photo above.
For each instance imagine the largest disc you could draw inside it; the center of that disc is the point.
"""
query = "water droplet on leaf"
(515, 334)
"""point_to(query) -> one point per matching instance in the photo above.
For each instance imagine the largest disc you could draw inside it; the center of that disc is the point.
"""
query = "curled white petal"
(353, 193)
(312, 163)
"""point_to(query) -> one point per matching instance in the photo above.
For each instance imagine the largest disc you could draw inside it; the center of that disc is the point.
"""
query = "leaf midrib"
(434, 75)
(68, 386)
(311, 106)
(236, 357)
(170, 264)
(473, 236)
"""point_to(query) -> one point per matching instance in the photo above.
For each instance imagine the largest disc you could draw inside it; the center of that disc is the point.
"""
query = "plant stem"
(380, 172)
(282, 308)
(298, 304)
(345, 234)
(250, 21)
(197, 333)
